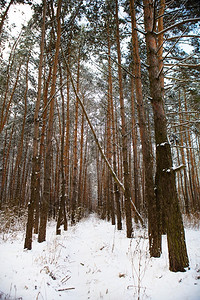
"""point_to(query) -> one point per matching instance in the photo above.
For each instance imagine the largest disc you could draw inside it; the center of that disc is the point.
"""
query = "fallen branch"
(66, 289)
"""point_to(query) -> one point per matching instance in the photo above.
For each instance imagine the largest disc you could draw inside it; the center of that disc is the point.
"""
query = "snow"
(162, 144)
(166, 170)
(92, 260)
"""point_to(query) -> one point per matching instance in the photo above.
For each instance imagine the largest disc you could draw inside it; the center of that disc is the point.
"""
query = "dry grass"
(12, 221)
(192, 220)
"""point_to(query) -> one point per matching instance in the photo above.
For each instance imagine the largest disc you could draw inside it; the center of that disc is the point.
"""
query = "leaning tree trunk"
(165, 175)
(4, 16)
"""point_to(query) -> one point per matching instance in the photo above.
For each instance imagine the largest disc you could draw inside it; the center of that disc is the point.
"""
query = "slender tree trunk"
(62, 218)
(4, 15)
(67, 137)
(80, 181)
(48, 154)
(5, 170)
(111, 136)
(35, 170)
(127, 194)
(75, 158)
(21, 144)
(194, 174)
(186, 182)
(137, 194)
(20, 192)
(160, 45)
(4, 116)
(85, 203)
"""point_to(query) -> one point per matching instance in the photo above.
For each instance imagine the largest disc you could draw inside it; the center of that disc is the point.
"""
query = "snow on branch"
(179, 168)
(174, 169)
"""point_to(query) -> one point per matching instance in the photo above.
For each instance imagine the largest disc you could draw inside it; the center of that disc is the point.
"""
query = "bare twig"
(66, 289)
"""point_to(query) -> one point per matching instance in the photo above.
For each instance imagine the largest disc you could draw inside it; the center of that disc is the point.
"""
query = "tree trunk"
(186, 182)
(194, 173)
(80, 181)
(20, 145)
(165, 176)
(35, 170)
(67, 137)
(48, 154)
(75, 158)
(4, 15)
(62, 219)
(149, 194)
(127, 193)
(4, 117)
(137, 194)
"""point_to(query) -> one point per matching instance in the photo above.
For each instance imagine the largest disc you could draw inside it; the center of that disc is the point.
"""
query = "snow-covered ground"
(92, 260)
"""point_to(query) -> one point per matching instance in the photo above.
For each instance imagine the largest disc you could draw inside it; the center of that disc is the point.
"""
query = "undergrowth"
(12, 221)
(192, 220)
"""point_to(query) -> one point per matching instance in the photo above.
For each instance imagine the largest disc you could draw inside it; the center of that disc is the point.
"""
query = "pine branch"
(183, 36)
(181, 80)
(184, 65)
(177, 24)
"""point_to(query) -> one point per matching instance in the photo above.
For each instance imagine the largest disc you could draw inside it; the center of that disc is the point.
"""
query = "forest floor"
(92, 260)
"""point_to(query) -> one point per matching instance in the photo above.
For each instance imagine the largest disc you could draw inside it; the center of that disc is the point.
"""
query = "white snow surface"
(93, 260)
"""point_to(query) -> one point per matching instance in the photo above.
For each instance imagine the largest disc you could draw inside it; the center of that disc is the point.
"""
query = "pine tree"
(165, 176)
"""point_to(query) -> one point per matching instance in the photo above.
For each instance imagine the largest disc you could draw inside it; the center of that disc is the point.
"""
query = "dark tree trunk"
(35, 176)
(149, 194)
(165, 176)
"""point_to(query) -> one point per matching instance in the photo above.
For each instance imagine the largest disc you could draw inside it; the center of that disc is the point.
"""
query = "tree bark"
(110, 92)
(62, 218)
(48, 153)
(149, 194)
(35, 170)
(75, 157)
(165, 176)
(127, 193)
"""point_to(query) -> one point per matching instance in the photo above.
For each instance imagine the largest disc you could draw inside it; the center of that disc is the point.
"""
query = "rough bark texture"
(150, 199)
(35, 179)
(165, 176)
